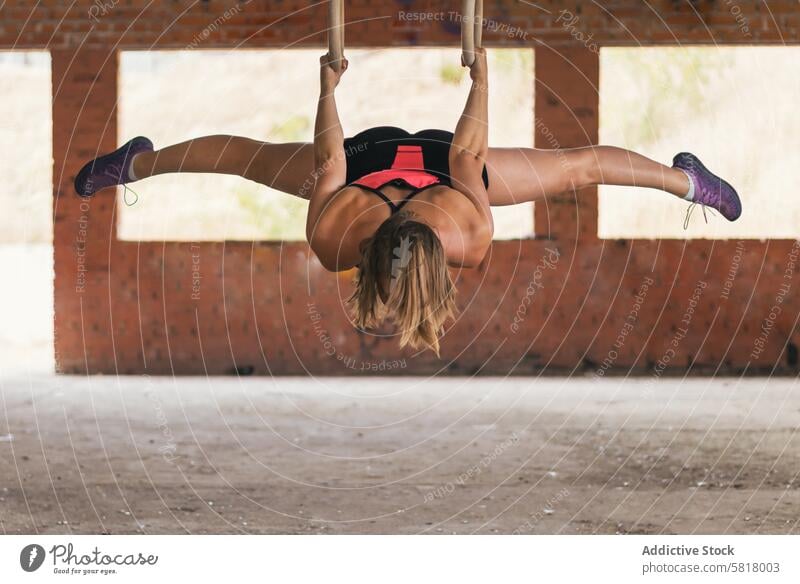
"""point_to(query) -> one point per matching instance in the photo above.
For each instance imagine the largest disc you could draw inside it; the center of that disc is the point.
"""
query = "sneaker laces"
(703, 194)
(113, 171)
(125, 195)
(691, 209)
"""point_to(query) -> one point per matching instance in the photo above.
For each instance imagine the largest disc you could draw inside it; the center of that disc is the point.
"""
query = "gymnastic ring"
(471, 29)
(336, 33)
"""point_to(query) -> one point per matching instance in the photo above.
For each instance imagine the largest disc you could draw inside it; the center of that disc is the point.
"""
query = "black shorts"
(374, 149)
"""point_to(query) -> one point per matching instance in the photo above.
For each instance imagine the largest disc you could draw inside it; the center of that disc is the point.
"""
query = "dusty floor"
(159, 455)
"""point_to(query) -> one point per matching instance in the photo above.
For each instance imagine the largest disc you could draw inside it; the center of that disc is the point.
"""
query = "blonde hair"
(406, 256)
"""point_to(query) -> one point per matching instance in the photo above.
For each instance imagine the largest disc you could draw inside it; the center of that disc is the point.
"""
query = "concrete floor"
(158, 455)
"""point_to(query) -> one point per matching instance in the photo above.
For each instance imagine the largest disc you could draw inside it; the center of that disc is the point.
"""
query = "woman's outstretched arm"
(472, 131)
(470, 146)
(330, 166)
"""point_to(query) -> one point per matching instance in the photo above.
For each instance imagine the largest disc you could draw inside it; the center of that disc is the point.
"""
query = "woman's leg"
(285, 167)
(518, 175)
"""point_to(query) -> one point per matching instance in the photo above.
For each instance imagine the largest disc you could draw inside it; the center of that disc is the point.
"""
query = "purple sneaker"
(709, 189)
(110, 170)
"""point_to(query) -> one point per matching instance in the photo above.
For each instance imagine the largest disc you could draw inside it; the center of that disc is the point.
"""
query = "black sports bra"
(397, 182)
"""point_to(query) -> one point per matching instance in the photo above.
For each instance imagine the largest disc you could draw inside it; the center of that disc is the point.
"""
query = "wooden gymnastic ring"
(471, 29)
(336, 33)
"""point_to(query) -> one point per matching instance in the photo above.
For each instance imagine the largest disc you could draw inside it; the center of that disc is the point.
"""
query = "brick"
(135, 312)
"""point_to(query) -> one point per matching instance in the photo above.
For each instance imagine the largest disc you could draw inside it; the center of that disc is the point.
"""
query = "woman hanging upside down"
(402, 208)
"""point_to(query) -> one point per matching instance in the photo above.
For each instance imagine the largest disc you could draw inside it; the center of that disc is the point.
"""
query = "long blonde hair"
(406, 257)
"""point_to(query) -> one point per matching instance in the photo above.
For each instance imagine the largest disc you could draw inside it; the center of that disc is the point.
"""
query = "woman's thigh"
(516, 175)
(519, 175)
(287, 167)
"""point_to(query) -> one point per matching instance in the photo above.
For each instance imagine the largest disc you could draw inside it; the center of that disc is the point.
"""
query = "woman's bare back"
(354, 215)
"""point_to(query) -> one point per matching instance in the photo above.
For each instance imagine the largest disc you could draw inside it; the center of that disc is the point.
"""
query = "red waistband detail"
(409, 157)
(417, 179)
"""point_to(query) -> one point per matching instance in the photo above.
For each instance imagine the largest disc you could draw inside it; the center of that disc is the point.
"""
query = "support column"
(567, 108)
(84, 125)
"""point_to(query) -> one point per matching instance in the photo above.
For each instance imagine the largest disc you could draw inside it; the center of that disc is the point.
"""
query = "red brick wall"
(143, 24)
(561, 303)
